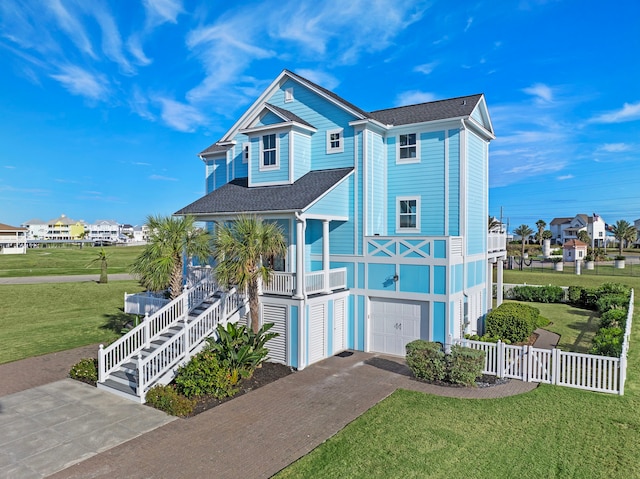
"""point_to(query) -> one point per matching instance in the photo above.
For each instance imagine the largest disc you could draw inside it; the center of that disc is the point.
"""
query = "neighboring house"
(13, 239)
(140, 234)
(103, 230)
(636, 225)
(65, 229)
(36, 229)
(565, 229)
(574, 250)
(384, 213)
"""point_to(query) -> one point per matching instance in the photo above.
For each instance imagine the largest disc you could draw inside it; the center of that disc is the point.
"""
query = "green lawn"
(37, 319)
(551, 432)
(66, 261)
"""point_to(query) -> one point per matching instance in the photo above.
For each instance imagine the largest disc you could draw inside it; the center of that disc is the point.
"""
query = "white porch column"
(299, 259)
(326, 267)
(499, 282)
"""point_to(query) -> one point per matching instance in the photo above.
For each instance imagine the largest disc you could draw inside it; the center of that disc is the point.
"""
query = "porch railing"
(315, 282)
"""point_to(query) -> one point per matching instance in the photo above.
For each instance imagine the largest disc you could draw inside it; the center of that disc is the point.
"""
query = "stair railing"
(179, 348)
(140, 337)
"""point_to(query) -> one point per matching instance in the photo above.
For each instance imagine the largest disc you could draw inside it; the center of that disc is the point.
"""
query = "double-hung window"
(269, 152)
(335, 141)
(408, 213)
(408, 148)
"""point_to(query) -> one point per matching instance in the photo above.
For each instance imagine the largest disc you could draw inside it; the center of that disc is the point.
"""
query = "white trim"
(403, 161)
(246, 152)
(400, 229)
(340, 148)
(288, 95)
(446, 182)
(290, 161)
(276, 149)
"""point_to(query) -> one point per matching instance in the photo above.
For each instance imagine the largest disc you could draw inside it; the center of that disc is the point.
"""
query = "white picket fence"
(554, 366)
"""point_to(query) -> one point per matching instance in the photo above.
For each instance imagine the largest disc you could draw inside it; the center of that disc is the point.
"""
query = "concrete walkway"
(72, 430)
(546, 339)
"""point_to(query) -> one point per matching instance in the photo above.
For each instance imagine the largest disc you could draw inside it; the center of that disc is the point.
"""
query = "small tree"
(239, 250)
(584, 237)
(101, 258)
(541, 225)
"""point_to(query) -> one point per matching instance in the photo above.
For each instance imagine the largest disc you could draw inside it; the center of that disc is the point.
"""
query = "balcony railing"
(284, 284)
(496, 242)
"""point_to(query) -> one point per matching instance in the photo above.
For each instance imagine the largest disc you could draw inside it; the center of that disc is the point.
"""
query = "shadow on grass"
(119, 322)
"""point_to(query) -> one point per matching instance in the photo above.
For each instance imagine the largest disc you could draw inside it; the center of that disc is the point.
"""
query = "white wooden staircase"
(152, 352)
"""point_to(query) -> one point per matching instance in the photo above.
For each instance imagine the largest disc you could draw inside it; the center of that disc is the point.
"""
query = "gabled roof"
(215, 148)
(5, 227)
(287, 115)
(35, 221)
(560, 221)
(575, 243)
(236, 196)
(435, 110)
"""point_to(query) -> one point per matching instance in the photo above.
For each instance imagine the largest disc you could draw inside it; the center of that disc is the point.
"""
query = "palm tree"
(171, 239)
(239, 250)
(524, 232)
(101, 258)
(623, 231)
(541, 225)
(494, 224)
(584, 237)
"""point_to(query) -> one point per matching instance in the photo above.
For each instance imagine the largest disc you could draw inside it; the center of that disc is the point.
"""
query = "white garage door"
(394, 323)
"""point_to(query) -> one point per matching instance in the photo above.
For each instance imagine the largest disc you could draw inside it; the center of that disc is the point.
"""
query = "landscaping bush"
(574, 295)
(464, 365)
(612, 301)
(538, 294)
(207, 374)
(614, 288)
(608, 342)
(241, 348)
(169, 400)
(614, 318)
(512, 321)
(426, 360)
(86, 370)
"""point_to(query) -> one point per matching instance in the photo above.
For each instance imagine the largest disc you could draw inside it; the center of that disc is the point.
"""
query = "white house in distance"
(103, 230)
(13, 240)
(565, 229)
(574, 250)
(36, 229)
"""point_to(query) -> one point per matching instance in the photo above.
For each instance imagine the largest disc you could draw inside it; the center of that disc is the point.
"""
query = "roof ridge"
(427, 102)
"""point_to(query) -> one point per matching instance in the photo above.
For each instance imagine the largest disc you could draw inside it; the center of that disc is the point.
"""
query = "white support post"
(623, 372)
(299, 259)
(101, 365)
(187, 346)
(529, 372)
(326, 267)
(500, 283)
(147, 333)
(555, 366)
(140, 376)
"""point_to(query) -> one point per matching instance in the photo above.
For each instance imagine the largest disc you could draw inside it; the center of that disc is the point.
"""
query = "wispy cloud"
(541, 92)
(615, 147)
(162, 11)
(321, 78)
(413, 97)
(83, 83)
(564, 177)
(629, 112)
(425, 68)
(10, 167)
(181, 116)
(469, 23)
(139, 104)
(73, 27)
(162, 178)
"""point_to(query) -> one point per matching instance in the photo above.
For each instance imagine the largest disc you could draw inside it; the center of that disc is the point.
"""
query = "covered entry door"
(394, 323)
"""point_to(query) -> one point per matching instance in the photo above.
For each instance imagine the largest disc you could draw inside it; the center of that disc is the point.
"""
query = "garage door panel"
(394, 323)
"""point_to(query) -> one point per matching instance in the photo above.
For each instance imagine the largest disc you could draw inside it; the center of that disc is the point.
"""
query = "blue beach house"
(384, 212)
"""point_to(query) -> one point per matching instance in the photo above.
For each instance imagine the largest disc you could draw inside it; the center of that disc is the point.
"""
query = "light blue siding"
(381, 277)
(279, 175)
(440, 249)
(379, 186)
(454, 182)
(414, 278)
(359, 340)
(269, 118)
(359, 189)
(350, 271)
(476, 195)
(440, 279)
(351, 321)
(456, 278)
(361, 277)
(336, 202)
(476, 273)
(293, 336)
(439, 321)
(301, 155)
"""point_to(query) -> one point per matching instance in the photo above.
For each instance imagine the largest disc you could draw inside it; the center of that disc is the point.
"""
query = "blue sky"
(105, 105)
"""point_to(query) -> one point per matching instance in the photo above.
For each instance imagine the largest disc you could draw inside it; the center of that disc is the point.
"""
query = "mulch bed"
(268, 373)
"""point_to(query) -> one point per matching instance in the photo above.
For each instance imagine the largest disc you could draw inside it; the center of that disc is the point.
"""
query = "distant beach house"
(574, 250)
(565, 229)
(13, 239)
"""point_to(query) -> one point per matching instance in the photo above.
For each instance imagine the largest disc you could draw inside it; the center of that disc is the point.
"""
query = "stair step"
(120, 389)
(124, 377)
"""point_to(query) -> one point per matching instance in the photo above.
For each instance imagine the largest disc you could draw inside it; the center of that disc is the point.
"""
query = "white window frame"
(288, 95)
(276, 165)
(405, 229)
(335, 149)
(416, 159)
(246, 152)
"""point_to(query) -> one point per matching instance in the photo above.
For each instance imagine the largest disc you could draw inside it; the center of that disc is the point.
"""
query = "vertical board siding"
(351, 322)
(294, 325)
(379, 186)
(359, 338)
(439, 321)
(440, 279)
(476, 195)
(381, 277)
(359, 189)
(413, 278)
(301, 155)
(276, 314)
(454, 182)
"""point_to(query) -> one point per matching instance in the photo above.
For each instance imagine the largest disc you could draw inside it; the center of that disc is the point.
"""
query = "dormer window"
(335, 141)
(408, 148)
(269, 152)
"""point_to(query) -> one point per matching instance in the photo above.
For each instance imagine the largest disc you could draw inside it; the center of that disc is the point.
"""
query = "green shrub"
(614, 288)
(614, 318)
(512, 321)
(86, 370)
(241, 348)
(486, 338)
(169, 400)
(426, 360)
(464, 365)
(608, 342)
(575, 293)
(538, 294)
(612, 301)
(588, 298)
(207, 374)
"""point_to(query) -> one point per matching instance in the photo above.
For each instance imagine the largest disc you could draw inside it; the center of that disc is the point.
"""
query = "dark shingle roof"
(236, 196)
(215, 148)
(289, 116)
(434, 110)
